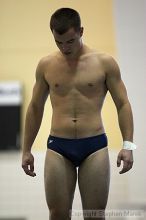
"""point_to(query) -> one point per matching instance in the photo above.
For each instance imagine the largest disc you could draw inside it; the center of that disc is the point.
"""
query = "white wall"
(130, 23)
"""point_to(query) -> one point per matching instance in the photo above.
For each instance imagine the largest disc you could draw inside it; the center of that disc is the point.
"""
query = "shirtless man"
(77, 79)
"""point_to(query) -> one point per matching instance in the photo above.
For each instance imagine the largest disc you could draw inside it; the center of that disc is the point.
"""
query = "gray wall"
(130, 22)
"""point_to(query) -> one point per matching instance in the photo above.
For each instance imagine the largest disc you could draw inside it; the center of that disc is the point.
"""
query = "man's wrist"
(26, 150)
(128, 145)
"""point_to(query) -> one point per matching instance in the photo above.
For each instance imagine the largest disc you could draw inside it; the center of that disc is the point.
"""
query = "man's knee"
(96, 214)
(60, 213)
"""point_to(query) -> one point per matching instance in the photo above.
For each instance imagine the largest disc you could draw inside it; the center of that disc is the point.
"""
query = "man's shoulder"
(110, 65)
(107, 60)
(102, 56)
(46, 60)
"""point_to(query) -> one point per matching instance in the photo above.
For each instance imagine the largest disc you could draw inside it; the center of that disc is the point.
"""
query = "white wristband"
(127, 145)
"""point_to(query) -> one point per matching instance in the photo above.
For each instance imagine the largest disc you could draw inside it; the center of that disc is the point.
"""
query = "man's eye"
(58, 42)
(70, 41)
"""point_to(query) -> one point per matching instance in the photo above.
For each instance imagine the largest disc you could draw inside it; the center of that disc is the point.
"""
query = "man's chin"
(67, 53)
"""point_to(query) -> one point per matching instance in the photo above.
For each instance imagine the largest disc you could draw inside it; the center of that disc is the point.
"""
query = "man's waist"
(71, 127)
(79, 117)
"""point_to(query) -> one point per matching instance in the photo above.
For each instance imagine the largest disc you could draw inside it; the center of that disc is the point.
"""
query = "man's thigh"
(60, 180)
(94, 178)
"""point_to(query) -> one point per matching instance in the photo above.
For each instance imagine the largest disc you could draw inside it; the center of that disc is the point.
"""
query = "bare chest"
(86, 79)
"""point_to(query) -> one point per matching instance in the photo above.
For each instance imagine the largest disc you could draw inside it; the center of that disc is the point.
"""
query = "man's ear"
(81, 31)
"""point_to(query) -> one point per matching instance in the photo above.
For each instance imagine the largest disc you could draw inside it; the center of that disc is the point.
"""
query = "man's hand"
(127, 157)
(28, 164)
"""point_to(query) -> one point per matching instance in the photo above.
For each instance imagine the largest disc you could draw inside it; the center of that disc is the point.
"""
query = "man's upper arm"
(114, 83)
(41, 87)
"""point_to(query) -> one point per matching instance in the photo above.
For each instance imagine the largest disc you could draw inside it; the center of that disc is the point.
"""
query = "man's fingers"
(28, 164)
(118, 161)
(126, 166)
(32, 170)
(126, 157)
(124, 169)
(31, 167)
(29, 171)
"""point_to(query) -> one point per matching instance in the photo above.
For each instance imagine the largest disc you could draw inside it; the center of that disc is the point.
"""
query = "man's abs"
(79, 127)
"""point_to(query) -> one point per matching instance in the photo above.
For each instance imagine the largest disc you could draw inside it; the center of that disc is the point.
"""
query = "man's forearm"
(126, 121)
(32, 125)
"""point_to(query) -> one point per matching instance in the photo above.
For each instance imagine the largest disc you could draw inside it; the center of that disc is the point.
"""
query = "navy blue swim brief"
(76, 150)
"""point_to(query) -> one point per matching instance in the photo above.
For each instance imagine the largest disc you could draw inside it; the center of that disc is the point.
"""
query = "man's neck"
(75, 58)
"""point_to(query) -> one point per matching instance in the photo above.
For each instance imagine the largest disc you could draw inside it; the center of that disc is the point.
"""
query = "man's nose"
(65, 48)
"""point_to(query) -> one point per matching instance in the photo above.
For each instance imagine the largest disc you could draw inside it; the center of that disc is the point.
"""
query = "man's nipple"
(56, 85)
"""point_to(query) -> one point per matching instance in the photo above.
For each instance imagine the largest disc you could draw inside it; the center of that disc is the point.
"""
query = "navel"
(74, 120)
(90, 84)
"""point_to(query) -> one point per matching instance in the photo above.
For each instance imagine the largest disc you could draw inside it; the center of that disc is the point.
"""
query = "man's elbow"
(35, 107)
(123, 105)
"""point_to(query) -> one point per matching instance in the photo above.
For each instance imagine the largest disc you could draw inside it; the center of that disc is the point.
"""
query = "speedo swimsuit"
(76, 150)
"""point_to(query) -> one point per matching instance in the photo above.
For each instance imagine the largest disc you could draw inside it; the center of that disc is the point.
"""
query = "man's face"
(69, 43)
